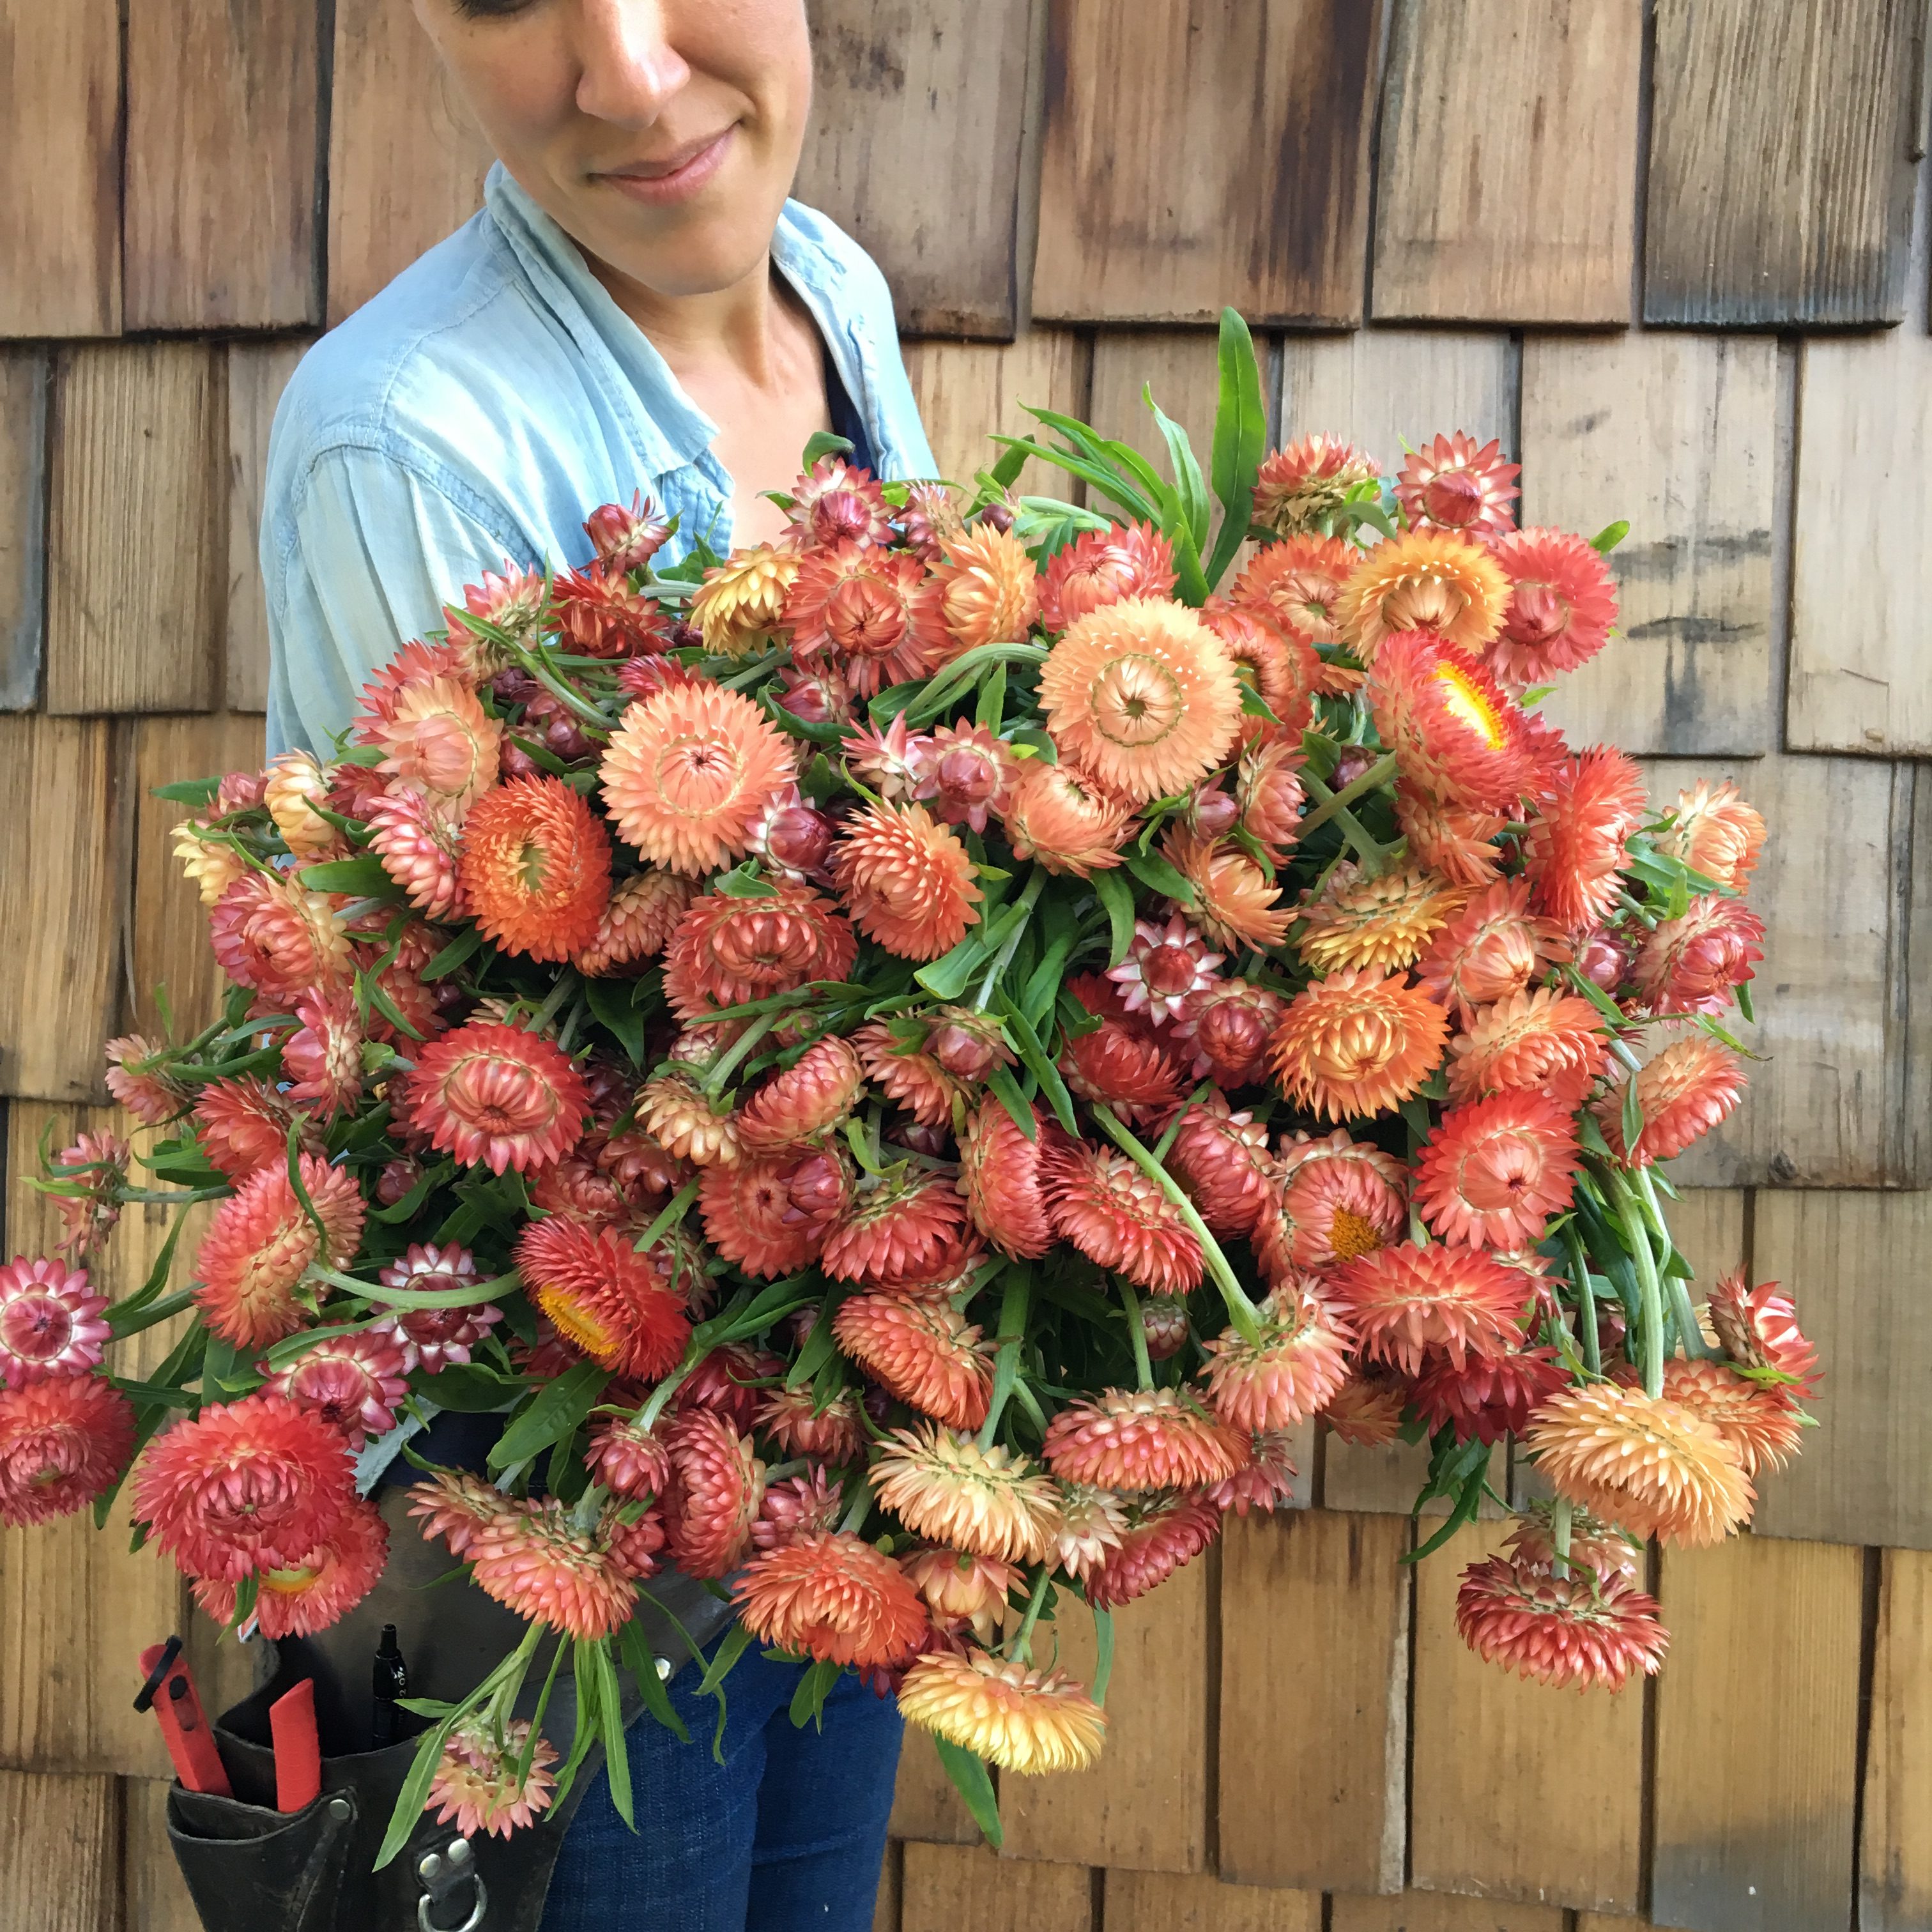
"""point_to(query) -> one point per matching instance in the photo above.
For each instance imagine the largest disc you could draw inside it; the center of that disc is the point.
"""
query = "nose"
(628, 69)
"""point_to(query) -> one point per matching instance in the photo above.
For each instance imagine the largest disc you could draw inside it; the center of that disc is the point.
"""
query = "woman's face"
(662, 135)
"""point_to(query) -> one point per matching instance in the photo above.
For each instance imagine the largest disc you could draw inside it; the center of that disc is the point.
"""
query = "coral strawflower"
(1145, 1439)
(1235, 899)
(806, 1100)
(907, 880)
(438, 737)
(1383, 921)
(1402, 1301)
(1269, 797)
(95, 1169)
(717, 1483)
(297, 1598)
(637, 924)
(1298, 584)
(613, 1302)
(924, 1352)
(1119, 1216)
(243, 1124)
(1575, 852)
(1305, 483)
(418, 841)
(837, 502)
(835, 1598)
(533, 1556)
(688, 771)
(1454, 483)
(1101, 567)
(872, 614)
(1694, 963)
(1163, 965)
(1762, 1424)
(1577, 1630)
(496, 1096)
(944, 1487)
(1715, 832)
(1001, 1177)
(535, 868)
(323, 1058)
(355, 1383)
(1162, 1533)
(1489, 949)
(800, 1425)
(1120, 1065)
(1562, 603)
(1341, 1200)
(1488, 1397)
(1758, 1329)
(1651, 1464)
(798, 1506)
(272, 936)
(477, 1789)
(675, 1111)
(52, 1321)
(1366, 1411)
(1495, 1170)
(1296, 1367)
(898, 1227)
(261, 1242)
(1549, 1041)
(1455, 840)
(1681, 1094)
(64, 1442)
(962, 1591)
(1022, 1719)
(243, 1487)
(740, 605)
(1594, 1545)
(1228, 1026)
(908, 1074)
(725, 951)
(1425, 579)
(1455, 733)
(965, 772)
(1220, 1159)
(989, 588)
(752, 1219)
(1065, 819)
(1142, 694)
(1356, 1044)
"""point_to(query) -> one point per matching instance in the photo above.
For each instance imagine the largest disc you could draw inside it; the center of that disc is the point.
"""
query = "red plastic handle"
(297, 1753)
(185, 1726)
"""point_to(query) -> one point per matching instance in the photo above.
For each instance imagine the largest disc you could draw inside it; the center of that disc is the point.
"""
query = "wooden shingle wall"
(1671, 254)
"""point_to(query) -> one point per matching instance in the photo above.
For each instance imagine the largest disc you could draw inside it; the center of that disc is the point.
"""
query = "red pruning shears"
(169, 1691)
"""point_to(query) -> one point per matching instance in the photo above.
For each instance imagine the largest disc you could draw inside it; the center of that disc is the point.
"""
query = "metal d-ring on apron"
(443, 1873)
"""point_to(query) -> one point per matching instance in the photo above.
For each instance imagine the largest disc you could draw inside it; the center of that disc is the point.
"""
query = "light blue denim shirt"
(478, 409)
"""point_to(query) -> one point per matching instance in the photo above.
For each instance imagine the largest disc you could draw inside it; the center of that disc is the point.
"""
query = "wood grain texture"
(219, 227)
(1314, 1700)
(1389, 1479)
(1859, 1267)
(1180, 366)
(898, 82)
(61, 1868)
(155, 1899)
(968, 392)
(1143, 1805)
(61, 915)
(1436, 1911)
(258, 372)
(1564, 1826)
(1861, 672)
(1163, 1902)
(1781, 152)
(406, 165)
(1380, 387)
(947, 1886)
(23, 524)
(1895, 1852)
(1677, 435)
(1142, 219)
(170, 924)
(1508, 158)
(926, 1804)
(1840, 1010)
(1754, 1795)
(60, 222)
(134, 548)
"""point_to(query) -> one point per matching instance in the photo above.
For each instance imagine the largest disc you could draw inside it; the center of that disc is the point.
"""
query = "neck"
(739, 325)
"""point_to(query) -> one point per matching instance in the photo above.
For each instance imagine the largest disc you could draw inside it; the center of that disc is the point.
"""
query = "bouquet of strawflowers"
(903, 1062)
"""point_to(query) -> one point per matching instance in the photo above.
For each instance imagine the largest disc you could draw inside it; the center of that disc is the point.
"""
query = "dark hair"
(491, 9)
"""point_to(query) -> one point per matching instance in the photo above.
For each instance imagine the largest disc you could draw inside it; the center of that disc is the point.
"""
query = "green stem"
(1650, 1303)
(862, 1507)
(1021, 1650)
(1137, 1336)
(1586, 1299)
(1377, 774)
(1559, 1535)
(647, 1416)
(1028, 900)
(1690, 1336)
(679, 1206)
(1245, 1316)
(733, 1057)
(1374, 856)
(536, 1722)
(587, 713)
(752, 674)
(567, 982)
(1012, 1335)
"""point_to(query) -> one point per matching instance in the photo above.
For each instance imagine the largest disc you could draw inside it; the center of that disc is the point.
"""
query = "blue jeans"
(787, 1833)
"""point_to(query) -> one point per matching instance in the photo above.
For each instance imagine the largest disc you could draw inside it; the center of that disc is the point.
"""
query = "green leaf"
(188, 791)
(363, 875)
(1116, 896)
(744, 882)
(1006, 1090)
(1103, 1655)
(1006, 473)
(642, 1665)
(822, 442)
(975, 1784)
(817, 1348)
(1158, 876)
(990, 710)
(470, 1389)
(1607, 538)
(1038, 1062)
(611, 1709)
(559, 1408)
(807, 1701)
(415, 1793)
(1631, 1119)
(1240, 439)
(1743, 996)
(948, 978)
(737, 1641)
(609, 1001)
(1467, 1502)
(453, 954)
(1190, 490)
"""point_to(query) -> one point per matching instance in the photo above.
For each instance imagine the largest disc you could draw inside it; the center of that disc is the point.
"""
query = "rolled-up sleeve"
(364, 556)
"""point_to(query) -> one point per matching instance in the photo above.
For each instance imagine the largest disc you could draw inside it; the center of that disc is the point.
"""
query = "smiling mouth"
(682, 171)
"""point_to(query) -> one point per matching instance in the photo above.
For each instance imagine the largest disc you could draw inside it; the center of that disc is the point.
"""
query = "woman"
(637, 306)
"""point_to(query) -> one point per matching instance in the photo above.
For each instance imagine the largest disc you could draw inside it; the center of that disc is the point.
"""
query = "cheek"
(517, 78)
(761, 48)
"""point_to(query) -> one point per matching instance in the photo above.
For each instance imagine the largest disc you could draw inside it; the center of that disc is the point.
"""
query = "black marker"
(391, 1681)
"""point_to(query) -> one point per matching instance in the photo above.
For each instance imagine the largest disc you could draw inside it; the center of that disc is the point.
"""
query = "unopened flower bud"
(1604, 959)
(817, 1187)
(1214, 810)
(397, 1178)
(799, 837)
(1164, 1323)
(963, 1053)
(998, 516)
(1355, 761)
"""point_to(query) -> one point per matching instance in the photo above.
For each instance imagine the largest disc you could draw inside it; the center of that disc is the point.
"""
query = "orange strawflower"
(1220, 1159)
(1366, 1411)
(872, 615)
(908, 1074)
(1101, 567)
(1020, 1719)
(806, 1100)
(496, 1096)
(901, 1226)
(724, 951)
(834, 1596)
(717, 1486)
(1452, 839)
(439, 738)
(1455, 735)
(989, 588)
(1269, 796)
(1301, 486)
(1550, 1042)
(1227, 1026)
(1000, 1175)
(923, 1351)
(1383, 921)
(1494, 1170)
(740, 606)
(212, 865)
(1301, 1363)
(1062, 818)
(1284, 671)
(1298, 583)
(907, 880)
(1562, 603)
(686, 1123)
(636, 926)
(260, 1244)
(1489, 950)
(1405, 1302)
(944, 1487)
(1714, 832)
(1641, 1461)
(1425, 579)
(1452, 484)
(535, 867)
(1142, 694)
(689, 771)
(1762, 1424)
(305, 1595)
(1340, 1200)
(1235, 899)
(1148, 1439)
(1113, 1213)
(613, 1303)
(1575, 1630)
(1574, 855)
(1685, 1092)
(1356, 1044)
